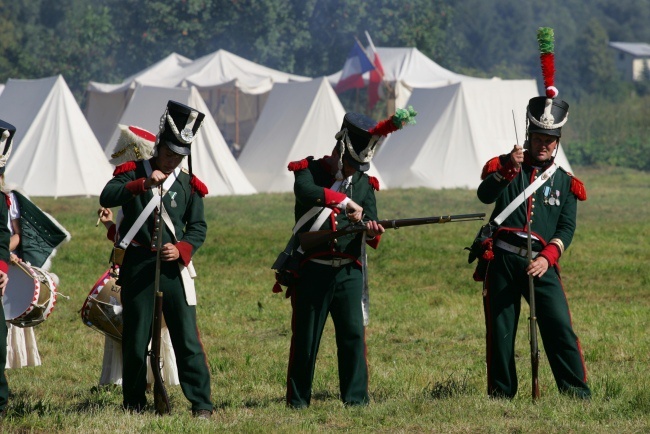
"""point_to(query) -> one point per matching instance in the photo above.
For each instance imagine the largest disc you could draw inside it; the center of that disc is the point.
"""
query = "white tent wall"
(299, 120)
(459, 128)
(212, 161)
(55, 152)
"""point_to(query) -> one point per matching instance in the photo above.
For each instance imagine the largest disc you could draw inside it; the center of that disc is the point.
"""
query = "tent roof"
(212, 161)
(55, 152)
(298, 120)
(459, 128)
(412, 68)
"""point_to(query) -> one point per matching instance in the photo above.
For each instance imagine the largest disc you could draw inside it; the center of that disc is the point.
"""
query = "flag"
(355, 66)
(376, 75)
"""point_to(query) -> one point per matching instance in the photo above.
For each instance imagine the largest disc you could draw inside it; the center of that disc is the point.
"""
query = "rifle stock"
(310, 240)
(160, 397)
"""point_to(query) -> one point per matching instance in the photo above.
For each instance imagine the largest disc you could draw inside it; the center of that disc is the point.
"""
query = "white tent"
(406, 69)
(234, 89)
(459, 128)
(106, 102)
(212, 161)
(299, 120)
(55, 152)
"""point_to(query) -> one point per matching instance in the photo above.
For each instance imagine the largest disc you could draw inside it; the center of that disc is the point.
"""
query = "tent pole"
(237, 116)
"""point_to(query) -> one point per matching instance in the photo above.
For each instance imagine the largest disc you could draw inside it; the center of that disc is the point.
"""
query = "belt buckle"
(522, 252)
(336, 262)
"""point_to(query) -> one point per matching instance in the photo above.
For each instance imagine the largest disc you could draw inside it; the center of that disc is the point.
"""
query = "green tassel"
(404, 117)
(546, 39)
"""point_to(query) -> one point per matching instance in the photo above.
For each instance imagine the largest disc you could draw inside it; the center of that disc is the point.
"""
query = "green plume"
(546, 39)
(404, 117)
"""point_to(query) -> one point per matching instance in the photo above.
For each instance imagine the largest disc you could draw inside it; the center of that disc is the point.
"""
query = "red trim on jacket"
(198, 186)
(136, 187)
(4, 267)
(185, 252)
(578, 188)
(551, 253)
(294, 166)
(374, 182)
(374, 242)
(8, 201)
(123, 168)
(508, 170)
(112, 231)
(490, 167)
(333, 198)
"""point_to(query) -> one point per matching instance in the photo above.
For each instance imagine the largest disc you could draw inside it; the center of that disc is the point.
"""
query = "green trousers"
(325, 290)
(137, 276)
(4, 386)
(506, 282)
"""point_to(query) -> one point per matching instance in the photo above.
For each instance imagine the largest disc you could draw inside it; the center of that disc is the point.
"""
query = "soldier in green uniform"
(7, 132)
(332, 192)
(135, 187)
(550, 212)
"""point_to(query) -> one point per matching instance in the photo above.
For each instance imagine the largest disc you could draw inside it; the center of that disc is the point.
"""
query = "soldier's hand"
(353, 211)
(169, 252)
(105, 215)
(538, 267)
(373, 229)
(156, 178)
(3, 282)
(517, 156)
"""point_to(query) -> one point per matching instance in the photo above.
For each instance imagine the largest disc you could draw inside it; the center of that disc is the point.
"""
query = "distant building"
(632, 59)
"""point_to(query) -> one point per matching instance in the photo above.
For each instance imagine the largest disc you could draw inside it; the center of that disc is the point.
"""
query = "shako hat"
(7, 132)
(359, 136)
(134, 143)
(547, 114)
(178, 127)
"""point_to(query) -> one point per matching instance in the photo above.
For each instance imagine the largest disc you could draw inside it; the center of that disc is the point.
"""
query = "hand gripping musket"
(161, 400)
(310, 240)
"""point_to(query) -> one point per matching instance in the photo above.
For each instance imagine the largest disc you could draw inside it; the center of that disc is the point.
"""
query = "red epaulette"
(374, 182)
(123, 168)
(490, 167)
(294, 166)
(578, 188)
(198, 186)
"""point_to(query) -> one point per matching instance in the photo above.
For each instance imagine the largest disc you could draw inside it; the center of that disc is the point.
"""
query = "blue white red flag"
(355, 66)
(376, 75)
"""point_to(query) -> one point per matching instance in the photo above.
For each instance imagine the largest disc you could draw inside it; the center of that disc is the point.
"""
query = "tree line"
(108, 40)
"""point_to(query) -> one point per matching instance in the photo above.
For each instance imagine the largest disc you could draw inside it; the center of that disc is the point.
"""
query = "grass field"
(425, 338)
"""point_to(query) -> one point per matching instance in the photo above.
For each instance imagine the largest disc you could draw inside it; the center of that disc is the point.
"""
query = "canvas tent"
(299, 120)
(234, 89)
(212, 161)
(406, 69)
(55, 152)
(459, 128)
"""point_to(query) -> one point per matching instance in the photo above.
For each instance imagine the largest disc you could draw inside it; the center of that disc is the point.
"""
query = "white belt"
(521, 251)
(336, 262)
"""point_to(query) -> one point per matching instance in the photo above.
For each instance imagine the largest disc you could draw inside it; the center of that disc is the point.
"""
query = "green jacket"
(313, 179)
(183, 202)
(548, 221)
(5, 234)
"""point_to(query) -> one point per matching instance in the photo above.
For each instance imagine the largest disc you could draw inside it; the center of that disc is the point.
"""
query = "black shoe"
(202, 414)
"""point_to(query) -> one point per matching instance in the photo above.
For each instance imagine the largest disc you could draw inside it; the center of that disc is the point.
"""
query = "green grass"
(425, 339)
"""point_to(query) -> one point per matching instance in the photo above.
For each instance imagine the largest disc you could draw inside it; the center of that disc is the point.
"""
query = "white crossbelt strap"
(187, 273)
(324, 213)
(146, 212)
(525, 194)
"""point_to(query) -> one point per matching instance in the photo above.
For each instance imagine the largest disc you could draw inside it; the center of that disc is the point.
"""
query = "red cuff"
(185, 252)
(4, 267)
(552, 254)
(333, 198)
(111, 232)
(508, 170)
(374, 242)
(136, 187)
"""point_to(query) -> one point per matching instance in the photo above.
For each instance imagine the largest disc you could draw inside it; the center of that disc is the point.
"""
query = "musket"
(160, 397)
(310, 240)
(534, 346)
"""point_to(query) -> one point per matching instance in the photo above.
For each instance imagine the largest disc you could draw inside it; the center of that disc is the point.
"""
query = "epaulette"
(198, 186)
(577, 186)
(490, 167)
(123, 168)
(374, 182)
(294, 166)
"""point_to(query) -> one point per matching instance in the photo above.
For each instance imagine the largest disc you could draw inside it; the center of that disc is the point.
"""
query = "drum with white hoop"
(30, 295)
(102, 309)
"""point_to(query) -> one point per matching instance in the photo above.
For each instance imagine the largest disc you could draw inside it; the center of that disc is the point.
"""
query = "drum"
(30, 295)
(102, 309)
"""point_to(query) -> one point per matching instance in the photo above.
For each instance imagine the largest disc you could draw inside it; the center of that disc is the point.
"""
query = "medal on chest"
(172, 195)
